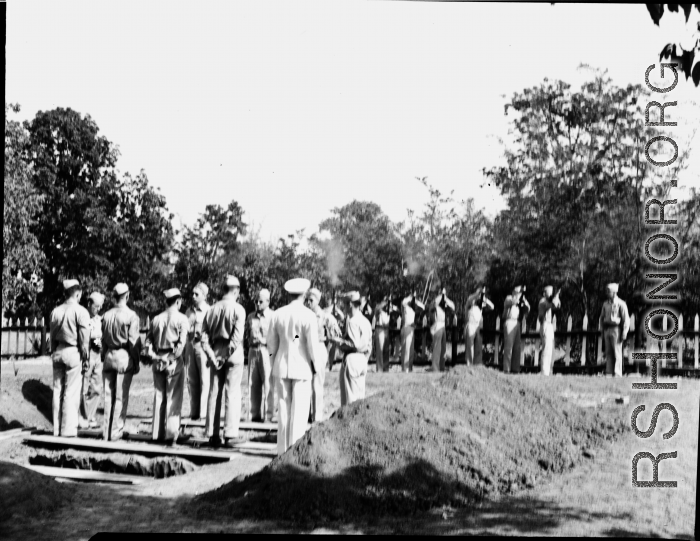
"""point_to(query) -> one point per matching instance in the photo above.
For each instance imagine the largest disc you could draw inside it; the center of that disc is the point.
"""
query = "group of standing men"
(287, 352)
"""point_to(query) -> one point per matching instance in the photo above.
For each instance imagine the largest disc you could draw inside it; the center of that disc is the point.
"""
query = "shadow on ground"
(8, 425)
(39, 394)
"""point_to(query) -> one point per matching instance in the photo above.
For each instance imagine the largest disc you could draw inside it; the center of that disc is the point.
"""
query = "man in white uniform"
(615, 321)
(514, 308)
(548, 304)
(438, 331)
(408, 317)
(293, 343)
(476, 303)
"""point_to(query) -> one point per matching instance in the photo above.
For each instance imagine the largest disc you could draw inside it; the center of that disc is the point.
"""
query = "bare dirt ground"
(595, 497)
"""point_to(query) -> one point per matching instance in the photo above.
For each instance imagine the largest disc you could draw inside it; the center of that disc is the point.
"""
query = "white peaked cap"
(297, 286)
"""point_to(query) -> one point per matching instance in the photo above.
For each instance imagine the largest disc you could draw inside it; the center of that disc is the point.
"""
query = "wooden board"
(88, 475)
(243, 425)
(15, 432)
(138, 448)
(256, 448)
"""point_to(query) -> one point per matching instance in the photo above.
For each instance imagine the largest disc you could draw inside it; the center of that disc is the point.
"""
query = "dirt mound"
(474, 433)
(158, 467)
(25, 403)
(24, 493)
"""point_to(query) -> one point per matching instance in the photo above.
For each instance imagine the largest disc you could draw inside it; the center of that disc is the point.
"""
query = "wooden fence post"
(697, 329)
(584, 341)
(630, 347)
(17, 325)
(538, 342)
(681, 340)
(567, 355)
(44, 348)
(600, 343)
(26, 332)
(498, 341)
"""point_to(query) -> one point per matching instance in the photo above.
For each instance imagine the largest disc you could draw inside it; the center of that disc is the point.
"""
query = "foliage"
(674, 51)
(22, 260)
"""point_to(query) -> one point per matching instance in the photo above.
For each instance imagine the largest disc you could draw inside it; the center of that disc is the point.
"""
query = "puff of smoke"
(335, 261)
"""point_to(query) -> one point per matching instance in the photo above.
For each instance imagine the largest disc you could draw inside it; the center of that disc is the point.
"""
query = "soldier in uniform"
(121, 341)
(615, 322)
(356, 345)
(293, 342)
(476, 303)
(438, 331)
(409, 306)
(365, 308)
(514, 308)
(548, 304)
(339, 317)
(262, 393)
(195, 359)
(91, 379)
(222, 340)
(381, 335)
(327, 327)
(70, 342)
(394, 330)
(166, 341)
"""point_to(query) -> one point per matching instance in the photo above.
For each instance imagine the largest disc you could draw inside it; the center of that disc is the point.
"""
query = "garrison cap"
(121, 288)
(97, 297)
(612, 287)
(314, 292)
(297, 286)
(170, 293)
(232, 281)
(201, 286)
(67, 284)
(352, 296)
(549, 290)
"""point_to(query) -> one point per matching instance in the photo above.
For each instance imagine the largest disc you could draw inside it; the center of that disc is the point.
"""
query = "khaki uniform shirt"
(225, 320)
(615, 314)
(121, 328)
(195, 317)
(257, 326)
(408, 314)
(70, 325)
(169, 331)
(95, 335)
(327, 325)
(358, 335)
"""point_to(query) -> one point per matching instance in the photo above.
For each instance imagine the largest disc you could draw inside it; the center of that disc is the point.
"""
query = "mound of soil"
(158, 467)
(475, 433)
(25, 403)
(24, 493)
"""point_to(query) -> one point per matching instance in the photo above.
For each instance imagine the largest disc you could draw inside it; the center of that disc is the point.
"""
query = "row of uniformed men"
(614, 320)
(208, 340)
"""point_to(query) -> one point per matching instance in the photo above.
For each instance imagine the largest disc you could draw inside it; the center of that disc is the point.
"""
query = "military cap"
(232, 281)
(121, 288)
(170, 293)
(517, 289)
(67, 284)
(264, 293)
(314, 292)
(297, 285)
(612, 287)
(353, 296)
(96, 297)
(201, 286)
(549, 290)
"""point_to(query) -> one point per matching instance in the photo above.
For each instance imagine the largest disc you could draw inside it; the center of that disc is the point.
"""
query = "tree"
(22, 259)
(685, 58)
(94, 226)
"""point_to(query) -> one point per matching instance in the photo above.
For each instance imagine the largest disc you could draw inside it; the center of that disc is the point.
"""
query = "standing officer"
(515, 307)
(548, 304)
(262, 394)
(381, 335)
(365, 307)
(121, 341)
(327, 327)
(337, 314)
(476, 303)
(356, 345)
(195, 359)
(90, 396)
(166, 341)
(409, 306)
(437, 329)
(70, 342)
(293, 343)
(222, 340)
(615, 321)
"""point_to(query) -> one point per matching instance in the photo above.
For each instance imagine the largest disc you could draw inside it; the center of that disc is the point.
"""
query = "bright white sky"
(293, 108)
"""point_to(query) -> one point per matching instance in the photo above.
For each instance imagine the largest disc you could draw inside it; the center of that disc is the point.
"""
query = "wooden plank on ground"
(138, 448)
(88, 475)
(243, 425)
(255, 448)
(15, 432)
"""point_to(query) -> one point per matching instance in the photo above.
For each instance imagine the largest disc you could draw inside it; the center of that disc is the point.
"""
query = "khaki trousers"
(169, 389)
(317, 391)
(225, 389)
(294, 402)
(511, 346)
(547, 356)
(197, 379)
(408, 352)
(92, 388)
(352, 378)
(439, 348)
(117, 373)
(473, 345)
(613, 350)
(66, 390)
(262, 392)
(381, 340)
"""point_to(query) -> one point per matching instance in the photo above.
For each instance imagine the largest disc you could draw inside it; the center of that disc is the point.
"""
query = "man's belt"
(258, 346)
(610, 325)
(164, 351)
(115, 348)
